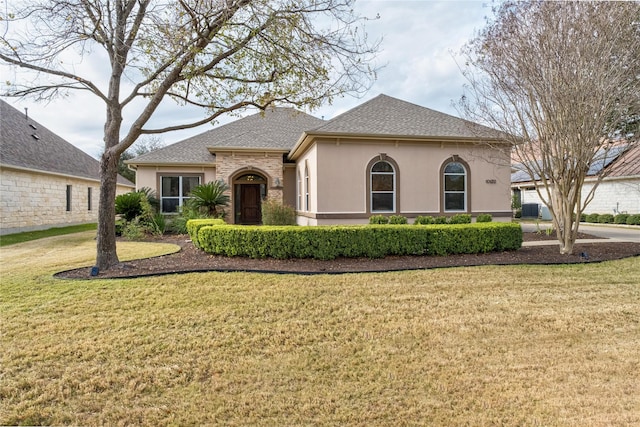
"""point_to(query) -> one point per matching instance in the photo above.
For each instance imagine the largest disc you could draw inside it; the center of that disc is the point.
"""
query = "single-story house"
(619, 191)
(386, 156)
(45, 181)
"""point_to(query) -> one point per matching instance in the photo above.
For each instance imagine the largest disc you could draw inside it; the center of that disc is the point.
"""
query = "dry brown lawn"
(463, 346)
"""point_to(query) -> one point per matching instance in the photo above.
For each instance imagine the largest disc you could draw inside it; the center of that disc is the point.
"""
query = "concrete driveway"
(618, 233)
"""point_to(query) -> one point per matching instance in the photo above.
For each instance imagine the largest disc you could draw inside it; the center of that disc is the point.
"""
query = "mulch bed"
(191, 259)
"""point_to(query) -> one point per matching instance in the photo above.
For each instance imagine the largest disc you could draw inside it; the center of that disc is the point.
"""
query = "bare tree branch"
(563, 78)
(222, 55)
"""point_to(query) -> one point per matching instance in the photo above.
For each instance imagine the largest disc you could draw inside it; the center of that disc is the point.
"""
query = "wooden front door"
(250, 212)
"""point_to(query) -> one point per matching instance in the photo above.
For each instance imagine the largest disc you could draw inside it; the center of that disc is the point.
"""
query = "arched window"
(382, 183)
(455, 187)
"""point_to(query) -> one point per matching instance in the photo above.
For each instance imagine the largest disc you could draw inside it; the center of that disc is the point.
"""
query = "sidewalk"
(555, 242)
(609, 233)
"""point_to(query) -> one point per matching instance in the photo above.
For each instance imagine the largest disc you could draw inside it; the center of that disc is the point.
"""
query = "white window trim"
(445, 192)
(372, 192)
(181, 197)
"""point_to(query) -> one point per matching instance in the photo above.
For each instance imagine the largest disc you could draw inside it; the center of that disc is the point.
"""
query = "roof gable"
(388, 116)
(25, 143)
(276, 128)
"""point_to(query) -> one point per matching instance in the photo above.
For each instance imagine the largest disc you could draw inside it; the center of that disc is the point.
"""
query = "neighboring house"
(44, 180)
(619, 191)
(385, 156)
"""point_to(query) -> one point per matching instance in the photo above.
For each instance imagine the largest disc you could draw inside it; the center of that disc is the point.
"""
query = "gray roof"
(26, 143)
(280, 128)
(620, 160)
(388, 116)
(276, 128)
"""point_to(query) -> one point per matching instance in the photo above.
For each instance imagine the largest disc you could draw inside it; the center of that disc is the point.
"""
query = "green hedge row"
(194, 226)
(372, 241)
(595, 218)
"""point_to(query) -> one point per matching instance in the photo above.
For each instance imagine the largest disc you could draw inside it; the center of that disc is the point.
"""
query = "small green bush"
(633, 219)
(518, 213)
(275, 213)
(378, 219)
(159, 223)
(193, 226)
(397, 219)
(440, 220)
(592, 218)
(621, 218)
(484, 218)
(424, 220)
(373, 241)
(460, 219)
(606, 219)
(134, 230)
(129, 205)
(583, 217)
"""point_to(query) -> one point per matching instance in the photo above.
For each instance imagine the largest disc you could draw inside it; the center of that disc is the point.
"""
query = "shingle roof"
(619, 161)
(26, 143)
(276, 128)
(388, 116)
(628, 164)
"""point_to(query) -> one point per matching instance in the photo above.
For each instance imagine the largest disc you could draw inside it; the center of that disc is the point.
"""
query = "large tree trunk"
(107, 256)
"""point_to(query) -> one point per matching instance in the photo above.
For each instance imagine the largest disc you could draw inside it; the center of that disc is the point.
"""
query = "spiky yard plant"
(210, 197)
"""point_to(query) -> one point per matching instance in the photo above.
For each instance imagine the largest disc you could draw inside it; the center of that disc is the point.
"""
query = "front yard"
(464, 346)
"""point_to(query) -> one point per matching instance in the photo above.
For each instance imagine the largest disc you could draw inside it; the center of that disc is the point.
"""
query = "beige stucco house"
(385, 156)
(44, 180)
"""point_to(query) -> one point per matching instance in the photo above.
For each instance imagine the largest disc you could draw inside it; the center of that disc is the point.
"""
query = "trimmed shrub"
(484, 218)
(460, 219)
(275, 213)
(397, 219)
(424, 220)
(633, 219)
(621, 218)
(378, 219)
(592, 218)
(440, 220)
(373, 241)
(194, 226)
(605, 219)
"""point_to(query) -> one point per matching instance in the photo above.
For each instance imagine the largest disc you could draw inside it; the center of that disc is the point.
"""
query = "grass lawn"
(463, 346)
(12, 239)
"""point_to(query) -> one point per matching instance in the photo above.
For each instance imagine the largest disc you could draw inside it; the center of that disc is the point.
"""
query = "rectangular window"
(382, 202)
(174, 191)
(299, 188)
(306, 188)
(454, 201)
(68, 198)
(89, 198)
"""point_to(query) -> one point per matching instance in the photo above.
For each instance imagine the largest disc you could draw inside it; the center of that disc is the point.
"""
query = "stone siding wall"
(230, 165)
(622, 195)
(36, 201)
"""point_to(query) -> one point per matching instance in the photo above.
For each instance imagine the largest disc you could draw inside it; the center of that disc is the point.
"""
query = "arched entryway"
(249, 189)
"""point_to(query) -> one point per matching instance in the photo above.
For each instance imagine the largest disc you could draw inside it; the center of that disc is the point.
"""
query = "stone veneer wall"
(35, 201)
(230, 165)
(612, 193)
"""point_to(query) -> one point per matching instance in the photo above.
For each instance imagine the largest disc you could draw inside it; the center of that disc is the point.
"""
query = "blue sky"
(420, 54)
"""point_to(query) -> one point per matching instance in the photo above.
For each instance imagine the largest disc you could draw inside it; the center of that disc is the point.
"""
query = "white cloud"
(421, 41)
